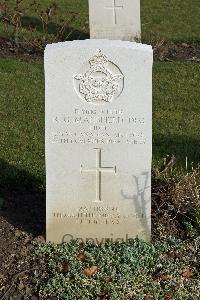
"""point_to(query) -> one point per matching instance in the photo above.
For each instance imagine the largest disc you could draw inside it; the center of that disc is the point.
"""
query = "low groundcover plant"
(128, 270)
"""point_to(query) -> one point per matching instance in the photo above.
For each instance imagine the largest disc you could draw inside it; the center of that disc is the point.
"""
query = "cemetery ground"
(169, 267)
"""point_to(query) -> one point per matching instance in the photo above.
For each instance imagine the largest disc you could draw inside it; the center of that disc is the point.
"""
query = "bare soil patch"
(177, 52)
(22, 222)
(8, 49)
(163, 51)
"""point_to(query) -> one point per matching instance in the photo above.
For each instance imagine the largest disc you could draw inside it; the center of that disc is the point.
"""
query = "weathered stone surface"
(98, 140)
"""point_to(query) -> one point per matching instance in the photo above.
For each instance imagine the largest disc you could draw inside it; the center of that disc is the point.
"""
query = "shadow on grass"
(180, 146)
(23, 199)
(70, 33)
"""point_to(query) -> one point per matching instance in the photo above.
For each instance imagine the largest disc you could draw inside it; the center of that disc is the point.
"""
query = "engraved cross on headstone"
(99, 170)
(114, 8)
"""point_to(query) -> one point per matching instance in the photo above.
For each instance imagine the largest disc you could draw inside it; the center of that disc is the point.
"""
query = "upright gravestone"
(115, 19)
(98, 140)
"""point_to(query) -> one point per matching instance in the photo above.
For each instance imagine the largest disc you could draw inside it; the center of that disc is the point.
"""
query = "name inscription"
(98, 126)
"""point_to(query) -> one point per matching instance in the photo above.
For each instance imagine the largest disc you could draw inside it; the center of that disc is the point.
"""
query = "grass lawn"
(176, 118)
(170, 20)
(22, 122)
(176, 111)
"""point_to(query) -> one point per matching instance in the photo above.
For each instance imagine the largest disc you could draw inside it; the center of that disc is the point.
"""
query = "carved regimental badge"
(102, 83)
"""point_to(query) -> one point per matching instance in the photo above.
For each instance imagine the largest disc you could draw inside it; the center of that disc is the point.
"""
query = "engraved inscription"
(98, 215)
(102, 83)
(114, 8)
(99, 170)
(100, 127)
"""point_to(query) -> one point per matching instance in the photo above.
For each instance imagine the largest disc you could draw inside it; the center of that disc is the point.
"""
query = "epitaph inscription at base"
(98, 140)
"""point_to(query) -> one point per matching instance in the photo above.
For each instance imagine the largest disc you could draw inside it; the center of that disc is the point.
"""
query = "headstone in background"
(115, 19)
(98, 140)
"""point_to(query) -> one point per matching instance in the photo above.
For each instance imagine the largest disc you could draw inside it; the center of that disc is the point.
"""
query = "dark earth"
(164, 51)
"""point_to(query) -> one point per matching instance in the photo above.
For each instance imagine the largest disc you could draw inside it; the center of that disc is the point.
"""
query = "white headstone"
(98, 140)
(115, 19)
